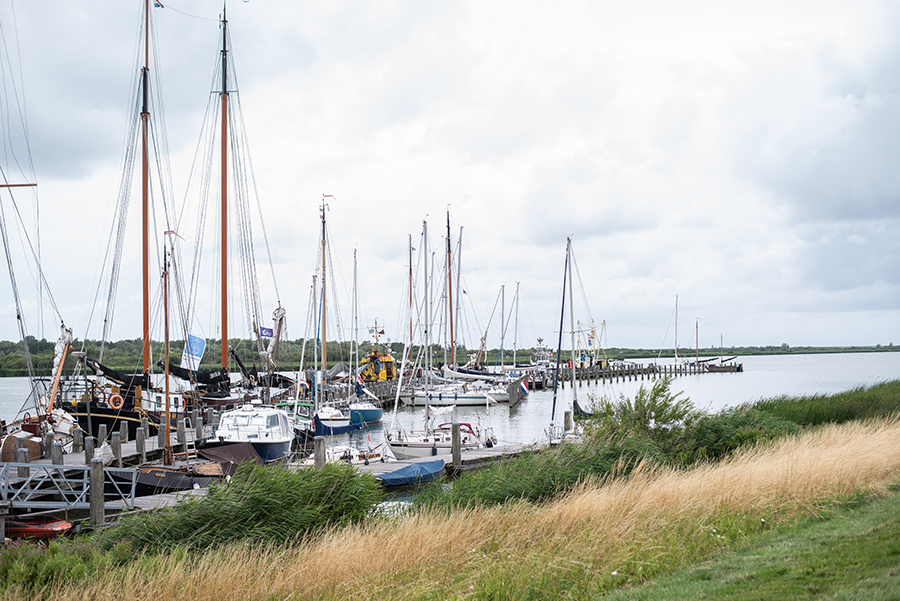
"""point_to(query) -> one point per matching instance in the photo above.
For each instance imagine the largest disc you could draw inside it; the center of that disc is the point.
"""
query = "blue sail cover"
(322, 429)
(416, 473)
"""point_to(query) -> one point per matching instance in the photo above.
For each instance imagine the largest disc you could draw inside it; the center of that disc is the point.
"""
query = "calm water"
(764, 376)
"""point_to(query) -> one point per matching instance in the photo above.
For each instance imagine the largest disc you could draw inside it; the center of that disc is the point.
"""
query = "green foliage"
(32, 567)
(538, 476)
(259, 505)
(859, 403)
(712, 437)
(655, 414)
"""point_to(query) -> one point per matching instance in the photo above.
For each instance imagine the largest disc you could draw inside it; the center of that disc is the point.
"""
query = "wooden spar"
(56, 378)
(18, 185)
(570, 260)
(224, 235)
(167, 453)
(145, 187)
(450, 295)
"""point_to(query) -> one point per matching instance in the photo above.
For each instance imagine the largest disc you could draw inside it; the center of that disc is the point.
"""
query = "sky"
(740, 157)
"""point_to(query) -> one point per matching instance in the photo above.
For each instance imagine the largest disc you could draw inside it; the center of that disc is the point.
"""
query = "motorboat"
(267, 428)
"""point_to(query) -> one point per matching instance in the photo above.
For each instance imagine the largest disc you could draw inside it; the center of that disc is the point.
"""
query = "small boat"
(268, 429)
(365, 412)
(438, 441)
(410, 475)
(36, 527)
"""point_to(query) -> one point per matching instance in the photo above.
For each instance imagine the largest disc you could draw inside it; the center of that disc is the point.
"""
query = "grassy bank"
(599, 537)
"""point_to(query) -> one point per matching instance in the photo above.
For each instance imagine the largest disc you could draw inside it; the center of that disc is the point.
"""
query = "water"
(763, 377)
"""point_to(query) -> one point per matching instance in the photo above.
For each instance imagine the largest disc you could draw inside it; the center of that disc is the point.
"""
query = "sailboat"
(435, 438)
(362, 410)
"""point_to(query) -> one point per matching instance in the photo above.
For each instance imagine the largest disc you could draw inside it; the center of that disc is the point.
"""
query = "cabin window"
(272, 421)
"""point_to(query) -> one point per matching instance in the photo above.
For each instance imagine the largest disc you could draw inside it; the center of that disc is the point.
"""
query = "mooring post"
(198, 424)
(123, 431)
(180, 434)
(46, 444)
(22, 457)
(101, 434)
(56, 454)
(98, 506)
(319, 451)
(4, 511)
(567, 421)
(456, 445)
(117, 447)
(88, 449)
(77, 440)
(210, 416)
(140, 444)
(145, 424)
(161, 439)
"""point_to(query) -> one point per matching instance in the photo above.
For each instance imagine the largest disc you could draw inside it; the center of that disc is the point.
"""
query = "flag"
(303, 383)
(359, 386)
(381, 333)
(194, 347)
(266, 332)
(523, 385)
(158, 4)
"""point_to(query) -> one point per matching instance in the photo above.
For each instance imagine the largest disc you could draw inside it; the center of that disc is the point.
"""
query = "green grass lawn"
(853, 554)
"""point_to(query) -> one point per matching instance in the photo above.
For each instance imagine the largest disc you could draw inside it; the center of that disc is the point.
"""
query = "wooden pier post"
(46, 444)
(101, 434)
(567, 421)
(198, 425)
(22, 457)
(456, 445)
(123, 431)
(88, 449)
(140, 444)
(77, 440)
(117, 448)
(210, 416)
(180, 434)
(161, 439)
(98, 506)
(56, 454)
(4, 511)
(145, 424)
(319, 451)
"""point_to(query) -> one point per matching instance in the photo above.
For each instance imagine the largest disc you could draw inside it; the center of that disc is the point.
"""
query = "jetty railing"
(37, 486)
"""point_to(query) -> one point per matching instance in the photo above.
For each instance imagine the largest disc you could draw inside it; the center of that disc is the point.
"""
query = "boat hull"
(36, 527)
(464, 399)
(366, 415)
(272, 451)
(419, 450)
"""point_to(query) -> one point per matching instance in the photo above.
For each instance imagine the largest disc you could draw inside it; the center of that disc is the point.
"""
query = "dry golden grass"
(604, 533)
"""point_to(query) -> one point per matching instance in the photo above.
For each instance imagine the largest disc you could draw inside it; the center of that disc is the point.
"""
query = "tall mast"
(223, 95)
(410, 290)
(572, 324)
(450, 295)
(145, 185)
(427, 311)
(562, 316)
(167, 453)
(516, 330)
(676, 328)
(324, 312)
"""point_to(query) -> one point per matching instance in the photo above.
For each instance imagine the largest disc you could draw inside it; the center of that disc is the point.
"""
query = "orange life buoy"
(116, 401)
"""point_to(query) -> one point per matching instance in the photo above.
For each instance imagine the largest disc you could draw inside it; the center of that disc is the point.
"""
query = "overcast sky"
(742, 156)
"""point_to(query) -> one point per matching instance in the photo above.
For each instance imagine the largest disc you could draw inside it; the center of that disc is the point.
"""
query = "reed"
(600, 536)
(260, 505)
(879, 400)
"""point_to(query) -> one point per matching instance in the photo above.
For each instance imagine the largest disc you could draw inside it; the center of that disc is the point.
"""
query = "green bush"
(32, 566)
(259, 505)
(712, 437)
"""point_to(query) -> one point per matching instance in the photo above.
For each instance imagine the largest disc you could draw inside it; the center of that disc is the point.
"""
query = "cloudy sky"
(741, 156)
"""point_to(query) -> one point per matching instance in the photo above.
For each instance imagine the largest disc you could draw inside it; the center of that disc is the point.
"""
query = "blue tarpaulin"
(416, 473)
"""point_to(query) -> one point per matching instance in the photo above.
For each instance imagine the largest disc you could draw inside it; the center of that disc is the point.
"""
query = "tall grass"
(598, 537)
(259, 505)
(879, 400)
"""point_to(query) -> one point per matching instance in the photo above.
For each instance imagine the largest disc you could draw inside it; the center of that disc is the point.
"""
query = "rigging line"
(20, 318)
(22, 111)
(584, 298)
(35, 255)
(262, 221)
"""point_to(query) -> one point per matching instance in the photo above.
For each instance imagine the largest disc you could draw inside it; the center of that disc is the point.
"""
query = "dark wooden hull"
(113, 419)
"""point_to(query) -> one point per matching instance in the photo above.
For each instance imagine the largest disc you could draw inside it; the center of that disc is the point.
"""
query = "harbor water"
(763, 377)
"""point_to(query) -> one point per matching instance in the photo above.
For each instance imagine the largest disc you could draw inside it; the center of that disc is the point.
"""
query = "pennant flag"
(158, 4)
(194, 347)
(266, 332)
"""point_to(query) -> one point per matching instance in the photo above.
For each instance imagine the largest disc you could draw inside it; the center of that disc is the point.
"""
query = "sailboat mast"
(562, 316)
(410, 290)
(145, 186)
(427, 312)
(223, 95)
(572, 323)
(676, 328)
(516, 329)
(167, 453)
(324, 313)
(450, 295)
